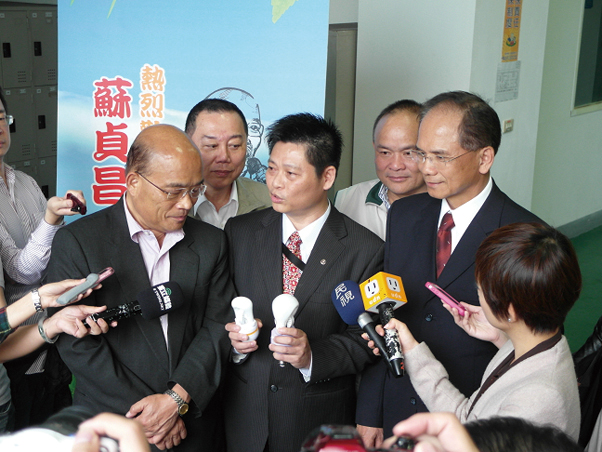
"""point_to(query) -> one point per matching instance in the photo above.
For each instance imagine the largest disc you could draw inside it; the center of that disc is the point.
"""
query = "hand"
(174, 436)
(69, 320)
(58, 207)
(158, 414)
(380, 330)
(475, 324)
(49, 293)
(298, 354)
(406, 339)
(128, 434)
(240, 341)
(371, 436)
(435, 432)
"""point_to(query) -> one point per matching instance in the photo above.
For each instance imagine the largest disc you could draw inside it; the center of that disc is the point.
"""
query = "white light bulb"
(284, 308)
(243, 311)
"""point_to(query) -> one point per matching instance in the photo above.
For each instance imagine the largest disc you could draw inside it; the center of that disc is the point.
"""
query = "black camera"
(335, 438)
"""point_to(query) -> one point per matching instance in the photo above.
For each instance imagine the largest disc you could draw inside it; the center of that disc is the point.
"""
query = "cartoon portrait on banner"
(148, 62)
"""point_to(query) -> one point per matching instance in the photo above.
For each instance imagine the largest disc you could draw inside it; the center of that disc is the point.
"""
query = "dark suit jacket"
(410, 253)
(263, 400)
(131, 361)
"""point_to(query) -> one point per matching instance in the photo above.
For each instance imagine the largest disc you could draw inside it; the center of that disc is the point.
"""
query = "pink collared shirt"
(156, 258)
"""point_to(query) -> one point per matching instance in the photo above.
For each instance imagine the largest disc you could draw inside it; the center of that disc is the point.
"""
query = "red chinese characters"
(112, 100)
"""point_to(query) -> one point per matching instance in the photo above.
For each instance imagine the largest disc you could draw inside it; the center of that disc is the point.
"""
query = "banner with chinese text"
(511, 30)
(126, 65)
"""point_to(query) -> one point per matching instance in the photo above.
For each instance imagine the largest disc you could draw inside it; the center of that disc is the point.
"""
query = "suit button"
(274, 388)
(412, 400)
(428, 317)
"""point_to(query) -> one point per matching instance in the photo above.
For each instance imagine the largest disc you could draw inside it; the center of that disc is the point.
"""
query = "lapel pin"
(323, 262)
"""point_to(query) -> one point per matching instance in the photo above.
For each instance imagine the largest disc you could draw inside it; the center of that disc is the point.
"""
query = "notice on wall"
(506, 86)
(511, 30)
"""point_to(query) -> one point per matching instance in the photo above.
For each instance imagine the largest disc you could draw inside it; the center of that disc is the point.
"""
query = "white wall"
(515, 162)
(567, 182)
(409, 49)
(343, 11)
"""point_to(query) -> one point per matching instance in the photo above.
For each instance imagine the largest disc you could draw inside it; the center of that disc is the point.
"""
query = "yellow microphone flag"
(382, 288)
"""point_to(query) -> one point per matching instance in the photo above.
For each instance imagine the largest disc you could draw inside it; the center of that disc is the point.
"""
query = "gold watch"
(182, 405)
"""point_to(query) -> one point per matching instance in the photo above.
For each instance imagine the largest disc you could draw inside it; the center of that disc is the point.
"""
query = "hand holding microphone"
(351, 302)
(150, 303)
(382, 293)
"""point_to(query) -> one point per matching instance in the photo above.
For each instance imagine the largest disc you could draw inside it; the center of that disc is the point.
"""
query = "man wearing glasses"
(153, 370)
(434, 237)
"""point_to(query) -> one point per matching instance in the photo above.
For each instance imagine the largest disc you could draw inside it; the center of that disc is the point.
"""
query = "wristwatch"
(182, 405)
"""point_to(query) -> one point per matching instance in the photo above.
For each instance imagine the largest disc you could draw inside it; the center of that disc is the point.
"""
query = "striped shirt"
(25, 240)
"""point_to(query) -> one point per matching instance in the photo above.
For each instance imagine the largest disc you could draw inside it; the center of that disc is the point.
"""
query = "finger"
(77, 193)
(292, 332)
(103, 326)
(232, 327)
(95, 329)
(86, 441)
(79, 330)
(283, 340)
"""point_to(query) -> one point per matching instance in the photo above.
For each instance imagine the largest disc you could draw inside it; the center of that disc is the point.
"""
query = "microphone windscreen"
(382, 288)
(160, 299)
(347, 299)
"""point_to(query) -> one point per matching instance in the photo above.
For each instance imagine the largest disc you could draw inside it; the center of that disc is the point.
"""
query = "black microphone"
(150, 303)
(348, 301)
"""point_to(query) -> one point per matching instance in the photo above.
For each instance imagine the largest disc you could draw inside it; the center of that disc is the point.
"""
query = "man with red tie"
(434, 237)
(302, 246)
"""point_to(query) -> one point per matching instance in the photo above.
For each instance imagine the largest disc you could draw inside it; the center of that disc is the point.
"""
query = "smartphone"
(78, 206)
(92, 280)
(445, 297)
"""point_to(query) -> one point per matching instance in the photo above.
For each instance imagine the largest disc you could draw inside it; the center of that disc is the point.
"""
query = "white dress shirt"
(464, 214)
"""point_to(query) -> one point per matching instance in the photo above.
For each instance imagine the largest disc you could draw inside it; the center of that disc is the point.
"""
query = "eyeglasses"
(8, 119)
(180, 193)
(436, 160)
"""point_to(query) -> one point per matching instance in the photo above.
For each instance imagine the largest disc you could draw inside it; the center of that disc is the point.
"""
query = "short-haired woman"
(528, 279)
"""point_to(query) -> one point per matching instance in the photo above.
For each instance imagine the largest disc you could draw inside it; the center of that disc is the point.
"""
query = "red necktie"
(444, 242)
(290, 272)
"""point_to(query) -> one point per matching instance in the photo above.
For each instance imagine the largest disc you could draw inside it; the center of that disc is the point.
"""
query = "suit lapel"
(269, 240)
(486, 221)
(324, 255)
(184, 268)
(131, 274)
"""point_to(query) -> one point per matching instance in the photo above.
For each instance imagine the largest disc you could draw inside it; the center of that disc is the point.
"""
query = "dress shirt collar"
(464, 214)
(309, 234)
(374, 194)
(10, 180)
(207, 212)
(383, 194)
(134, 228)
